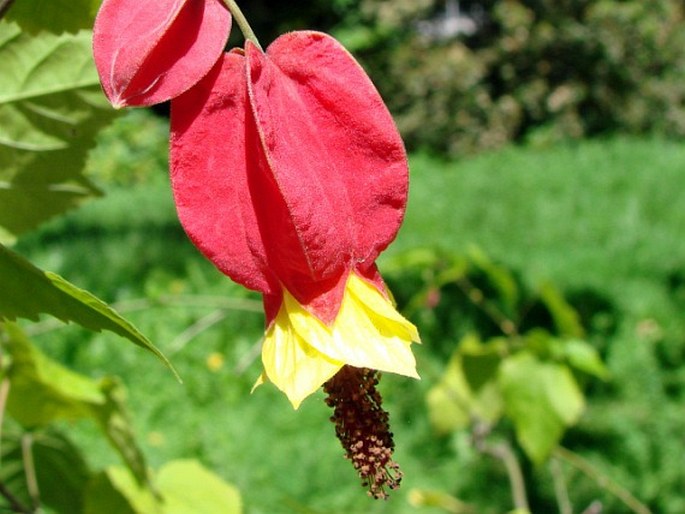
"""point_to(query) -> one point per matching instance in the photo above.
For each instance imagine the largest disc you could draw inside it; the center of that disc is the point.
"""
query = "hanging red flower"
(290, 176)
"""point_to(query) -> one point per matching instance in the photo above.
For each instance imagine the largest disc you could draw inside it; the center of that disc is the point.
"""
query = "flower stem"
(242, 22)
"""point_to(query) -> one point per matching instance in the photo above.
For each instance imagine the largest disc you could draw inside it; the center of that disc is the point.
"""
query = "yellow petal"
(291, 364)
(367, 333)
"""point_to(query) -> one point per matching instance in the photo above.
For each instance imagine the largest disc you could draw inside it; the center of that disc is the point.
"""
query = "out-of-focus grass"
(599, 216)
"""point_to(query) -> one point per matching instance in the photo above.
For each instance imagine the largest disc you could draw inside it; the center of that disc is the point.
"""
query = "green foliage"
(534, 69)
(600, 220)
(184, 487)
(522, 371)
(51, 108)
(37, 459)
(51, 294)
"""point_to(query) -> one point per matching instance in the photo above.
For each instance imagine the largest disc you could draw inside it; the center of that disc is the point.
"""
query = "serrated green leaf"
(542, 399)
(189, 488)
(468, 389)
(51, 108)
(54, 15)
(27, 292)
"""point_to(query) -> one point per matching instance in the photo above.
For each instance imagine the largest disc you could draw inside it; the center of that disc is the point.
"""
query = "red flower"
(290, 176)
(148, 52)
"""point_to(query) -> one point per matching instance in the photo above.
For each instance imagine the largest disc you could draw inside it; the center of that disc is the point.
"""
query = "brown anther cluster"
(362, 426)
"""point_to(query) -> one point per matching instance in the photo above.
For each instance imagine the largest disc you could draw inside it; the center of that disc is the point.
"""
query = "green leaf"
(61, 472)
(189, 488)
(113, 419)
(184, 487)
(54, 15)
(42, 391)
(499, 276)
(115, 491)
(27, 292)
(584, 357)
(566, 319)
(468, 390)
(542, 399)
(51, 108)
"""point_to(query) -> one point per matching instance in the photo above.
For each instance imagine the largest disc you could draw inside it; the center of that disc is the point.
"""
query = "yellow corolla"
(300, 352)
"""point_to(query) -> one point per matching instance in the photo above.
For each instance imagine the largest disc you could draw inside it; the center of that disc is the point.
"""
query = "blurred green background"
(545, 133)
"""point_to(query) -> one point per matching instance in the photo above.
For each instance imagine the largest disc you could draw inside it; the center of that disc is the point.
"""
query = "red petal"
(334, 154)
(148, 52)
(210, 167)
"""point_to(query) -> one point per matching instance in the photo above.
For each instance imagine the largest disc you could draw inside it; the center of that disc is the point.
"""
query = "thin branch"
(475, 295)
(4, 393)
(30, 470)
(4, 6)
(602, 480)
(182, 339)
(503, 452)
(560, 489)
(15, 504)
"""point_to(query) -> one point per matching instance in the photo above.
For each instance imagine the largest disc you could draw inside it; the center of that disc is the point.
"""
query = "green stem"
(602, 480)
(240, 19)
(560, 488)
(503, 452)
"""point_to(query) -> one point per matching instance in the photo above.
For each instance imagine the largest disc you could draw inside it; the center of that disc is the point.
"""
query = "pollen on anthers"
(362, 427)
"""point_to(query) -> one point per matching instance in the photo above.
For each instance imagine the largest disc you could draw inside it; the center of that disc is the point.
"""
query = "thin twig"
(4, 393)
(182, 339)
(4, 6)
(30, 470)
(602, 480)
(503, 452)
(560, 489)
(15, 504)
(475, 295)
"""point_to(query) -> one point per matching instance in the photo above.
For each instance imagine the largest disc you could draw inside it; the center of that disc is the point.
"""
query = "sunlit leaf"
(54, 15)
(27, 292)
(543, 400)
(115, 491)
(189, 488)
(183, 487)
(468, 389)
(43, 391)
(584, 357)
(51, 108)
